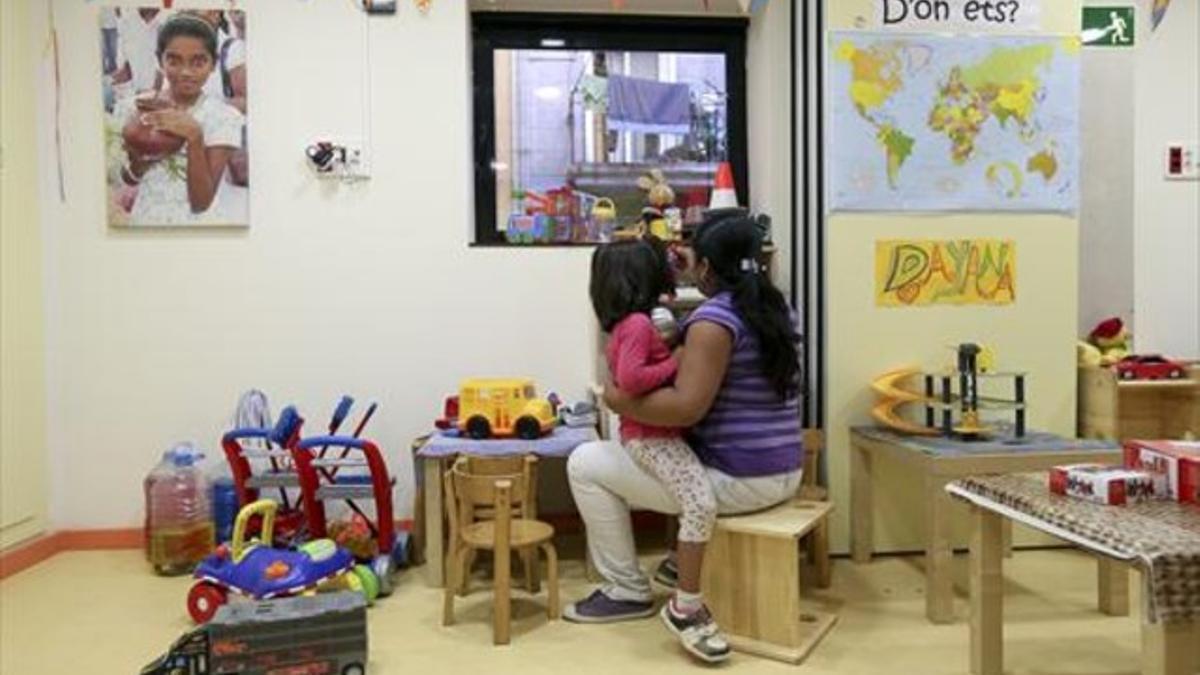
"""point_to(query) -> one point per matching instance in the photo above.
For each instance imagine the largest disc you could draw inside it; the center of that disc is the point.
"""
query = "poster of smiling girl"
(174, 93)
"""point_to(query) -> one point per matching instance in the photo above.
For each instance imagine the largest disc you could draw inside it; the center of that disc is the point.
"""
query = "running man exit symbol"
(1108, 26)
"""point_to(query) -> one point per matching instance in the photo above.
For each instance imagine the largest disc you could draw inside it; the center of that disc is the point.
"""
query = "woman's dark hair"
(628, 277)
(731, 241)
(187, 25)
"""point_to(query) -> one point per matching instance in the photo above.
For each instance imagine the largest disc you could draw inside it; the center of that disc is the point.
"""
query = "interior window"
(582, 123)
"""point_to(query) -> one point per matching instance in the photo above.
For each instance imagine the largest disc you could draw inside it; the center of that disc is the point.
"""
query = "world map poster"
(942, 123)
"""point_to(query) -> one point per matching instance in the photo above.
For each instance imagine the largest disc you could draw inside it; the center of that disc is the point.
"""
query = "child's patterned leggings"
(673, 463)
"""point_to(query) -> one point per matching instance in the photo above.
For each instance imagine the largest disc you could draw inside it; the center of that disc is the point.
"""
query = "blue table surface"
(559, 443)
(1002, 443)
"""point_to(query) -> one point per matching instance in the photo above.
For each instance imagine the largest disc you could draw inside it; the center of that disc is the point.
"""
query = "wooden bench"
(751, 581)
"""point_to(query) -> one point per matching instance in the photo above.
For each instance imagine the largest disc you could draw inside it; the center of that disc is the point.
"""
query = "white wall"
(23, 480)
(370, 290)
(1167, 214)
(1106, 212)
(768, 59)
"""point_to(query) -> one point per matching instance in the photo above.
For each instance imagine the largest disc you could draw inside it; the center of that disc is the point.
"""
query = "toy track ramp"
(892, 396)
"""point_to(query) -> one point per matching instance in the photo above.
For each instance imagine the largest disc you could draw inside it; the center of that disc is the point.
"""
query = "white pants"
(607, 484)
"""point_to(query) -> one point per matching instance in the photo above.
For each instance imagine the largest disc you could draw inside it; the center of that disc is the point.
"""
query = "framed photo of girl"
(174, 96)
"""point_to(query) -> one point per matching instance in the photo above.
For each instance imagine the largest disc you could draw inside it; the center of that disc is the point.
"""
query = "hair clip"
(748, 265)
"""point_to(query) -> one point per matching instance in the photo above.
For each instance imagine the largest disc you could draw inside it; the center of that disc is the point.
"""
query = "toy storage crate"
(1121, 410)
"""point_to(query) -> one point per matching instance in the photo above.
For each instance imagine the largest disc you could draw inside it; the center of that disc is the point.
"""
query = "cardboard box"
(1112, 485)
(1175, 466)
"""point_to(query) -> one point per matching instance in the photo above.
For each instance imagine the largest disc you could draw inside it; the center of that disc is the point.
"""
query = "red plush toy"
(1112, 339)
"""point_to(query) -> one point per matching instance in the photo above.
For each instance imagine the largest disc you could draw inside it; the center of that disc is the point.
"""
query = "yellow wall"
(1036, 334)
(22, 337)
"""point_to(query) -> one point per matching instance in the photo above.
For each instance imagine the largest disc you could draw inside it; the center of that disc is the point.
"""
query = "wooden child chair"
(490, 493)
(527, 465)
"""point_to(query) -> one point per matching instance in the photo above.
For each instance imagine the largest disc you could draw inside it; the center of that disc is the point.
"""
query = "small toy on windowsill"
(659, 218)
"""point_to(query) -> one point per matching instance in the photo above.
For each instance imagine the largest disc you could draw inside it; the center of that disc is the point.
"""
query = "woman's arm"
(706, 356)
(205, 165)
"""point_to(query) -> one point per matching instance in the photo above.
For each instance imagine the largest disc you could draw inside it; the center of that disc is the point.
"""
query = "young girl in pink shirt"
(628, 280)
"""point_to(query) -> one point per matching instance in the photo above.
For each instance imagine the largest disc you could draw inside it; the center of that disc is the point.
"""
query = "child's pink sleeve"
(633, 371)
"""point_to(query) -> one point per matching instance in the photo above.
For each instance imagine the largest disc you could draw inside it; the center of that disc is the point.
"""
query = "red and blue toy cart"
(243, 446)
(324, 478)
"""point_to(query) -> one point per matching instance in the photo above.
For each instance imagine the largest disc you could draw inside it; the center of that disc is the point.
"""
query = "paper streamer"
(752, 6)
(1158, 12)
(58, 154)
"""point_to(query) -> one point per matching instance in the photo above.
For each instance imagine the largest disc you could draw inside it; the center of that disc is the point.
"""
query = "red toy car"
(1149, 367)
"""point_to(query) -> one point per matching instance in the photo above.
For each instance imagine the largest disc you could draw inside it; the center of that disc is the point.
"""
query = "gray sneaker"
(698, 633)
(667, 574)
(599, 608)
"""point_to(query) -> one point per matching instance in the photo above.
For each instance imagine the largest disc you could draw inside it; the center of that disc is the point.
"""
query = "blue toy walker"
(259, 571)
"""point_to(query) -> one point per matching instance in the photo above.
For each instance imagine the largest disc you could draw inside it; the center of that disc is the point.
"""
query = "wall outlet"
(339, 159)
(1183, 161)
(356, 160)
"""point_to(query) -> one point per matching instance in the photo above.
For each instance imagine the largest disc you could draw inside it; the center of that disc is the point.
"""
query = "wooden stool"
(493, 494)
(816, 542)
(751, 581)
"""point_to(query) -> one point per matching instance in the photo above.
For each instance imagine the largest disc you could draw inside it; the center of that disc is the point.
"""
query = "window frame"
(517, 30)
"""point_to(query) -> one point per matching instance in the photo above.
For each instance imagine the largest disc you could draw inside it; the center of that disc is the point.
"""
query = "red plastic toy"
(243, 445)
(449, 419)
(1149, 367)
(322, 479)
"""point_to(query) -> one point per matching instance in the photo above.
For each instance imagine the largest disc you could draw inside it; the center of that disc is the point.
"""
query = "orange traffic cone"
(724, 195)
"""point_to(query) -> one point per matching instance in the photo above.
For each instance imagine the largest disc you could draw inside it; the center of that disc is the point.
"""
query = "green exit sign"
(1108, 26)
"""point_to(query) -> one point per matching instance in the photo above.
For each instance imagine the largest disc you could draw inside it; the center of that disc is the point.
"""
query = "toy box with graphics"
(1175, 466)
(1111, 485)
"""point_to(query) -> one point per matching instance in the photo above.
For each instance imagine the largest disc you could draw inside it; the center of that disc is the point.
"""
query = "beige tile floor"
(103, 612)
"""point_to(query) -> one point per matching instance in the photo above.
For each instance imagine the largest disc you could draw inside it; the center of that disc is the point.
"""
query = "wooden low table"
(432, 459)
(1159, 539)
(940, 461)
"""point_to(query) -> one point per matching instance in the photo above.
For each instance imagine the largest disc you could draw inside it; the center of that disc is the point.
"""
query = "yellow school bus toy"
(503, 407)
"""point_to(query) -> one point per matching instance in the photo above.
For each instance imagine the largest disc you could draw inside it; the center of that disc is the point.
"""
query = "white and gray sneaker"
(698, 633)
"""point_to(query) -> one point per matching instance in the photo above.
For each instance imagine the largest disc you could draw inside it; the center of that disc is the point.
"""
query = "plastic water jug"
(179, 526)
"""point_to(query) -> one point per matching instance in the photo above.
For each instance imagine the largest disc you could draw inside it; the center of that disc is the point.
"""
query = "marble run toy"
(972, 363)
